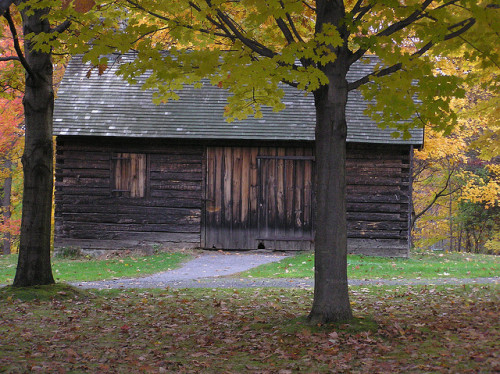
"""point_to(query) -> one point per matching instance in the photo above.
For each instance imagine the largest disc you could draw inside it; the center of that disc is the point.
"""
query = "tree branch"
(360, 11)
(9, 58)
(285, 30)
(357, 7)
(294, 29)
(252, 44)
(4, 6)
(439, 194)
(488, 56)
(62, 27)
(395, 27)
(309, 6)
(291, 23)
(465, 25)
(166, 19)
(17, 46)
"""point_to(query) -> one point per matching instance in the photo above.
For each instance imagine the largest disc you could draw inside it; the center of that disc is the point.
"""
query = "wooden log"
(175, 185)
(176, 176)
(90, 228)
(176, 167)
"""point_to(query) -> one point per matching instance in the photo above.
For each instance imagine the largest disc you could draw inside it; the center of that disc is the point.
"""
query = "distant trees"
(457, 180)
(11, 142)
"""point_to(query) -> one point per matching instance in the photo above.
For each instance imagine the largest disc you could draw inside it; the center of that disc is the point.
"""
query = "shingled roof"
(106, 105)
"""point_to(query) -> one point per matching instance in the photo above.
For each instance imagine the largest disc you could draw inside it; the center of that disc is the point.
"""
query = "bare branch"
(309, 6)
(357, 7)
(395, 27)
(285, 30)
(294, 29)
(439, 194)
(235, 29)
(362, 13)
(62, 27)
(9, 58)
(17, 46)
(291, 23)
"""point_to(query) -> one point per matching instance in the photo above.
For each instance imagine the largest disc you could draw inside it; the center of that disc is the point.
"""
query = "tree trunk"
(6, 192)
(331, 298)
(34, 266)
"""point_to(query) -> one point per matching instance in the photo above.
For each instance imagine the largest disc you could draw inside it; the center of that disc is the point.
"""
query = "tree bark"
(34, 267)
(331, 297)
(6, 192)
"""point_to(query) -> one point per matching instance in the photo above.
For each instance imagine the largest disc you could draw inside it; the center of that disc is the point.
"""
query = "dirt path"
(209, 271)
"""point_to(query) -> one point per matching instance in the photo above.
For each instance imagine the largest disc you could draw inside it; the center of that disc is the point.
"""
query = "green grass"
(414, 329)
(428, 265)
(74, 270)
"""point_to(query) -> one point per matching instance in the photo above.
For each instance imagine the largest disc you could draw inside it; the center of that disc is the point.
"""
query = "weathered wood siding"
(262, 196)
(259, 197)
(378, 199)
(231, 197)
(89, 214)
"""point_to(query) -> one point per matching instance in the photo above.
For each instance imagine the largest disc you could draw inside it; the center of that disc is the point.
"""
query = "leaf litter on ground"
(396, 329)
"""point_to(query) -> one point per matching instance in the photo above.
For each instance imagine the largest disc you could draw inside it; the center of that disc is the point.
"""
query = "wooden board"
(257, 197)
(232, 197)
(163, 202)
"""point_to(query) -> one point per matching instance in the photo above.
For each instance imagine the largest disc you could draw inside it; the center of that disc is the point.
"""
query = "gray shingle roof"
(106, 105)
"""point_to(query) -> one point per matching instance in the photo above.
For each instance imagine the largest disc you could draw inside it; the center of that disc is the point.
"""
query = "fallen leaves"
(402, 329)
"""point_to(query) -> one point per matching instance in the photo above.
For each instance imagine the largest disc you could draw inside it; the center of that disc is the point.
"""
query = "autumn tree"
(10, 148)
(11, 90)
(456, 175)
(34, 267)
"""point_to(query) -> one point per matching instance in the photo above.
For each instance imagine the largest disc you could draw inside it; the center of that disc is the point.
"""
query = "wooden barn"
(132, 174)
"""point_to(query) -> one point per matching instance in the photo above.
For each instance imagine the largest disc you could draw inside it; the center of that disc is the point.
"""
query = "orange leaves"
(10, 226)
(11, 117)
(81, 6)
(85, 333)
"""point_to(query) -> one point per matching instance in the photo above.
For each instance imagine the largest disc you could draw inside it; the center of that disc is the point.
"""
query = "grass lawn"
(428, 265)
(71, 270)
(398, 329)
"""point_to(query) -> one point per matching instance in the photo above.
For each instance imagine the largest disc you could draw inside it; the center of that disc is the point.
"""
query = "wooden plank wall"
(253, 199)
(378, 199)
(88, 216)
(254, 196)
(378, 196)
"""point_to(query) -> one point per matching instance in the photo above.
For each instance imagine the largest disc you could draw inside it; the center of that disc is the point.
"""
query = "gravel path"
(208, 271)
(207, 265)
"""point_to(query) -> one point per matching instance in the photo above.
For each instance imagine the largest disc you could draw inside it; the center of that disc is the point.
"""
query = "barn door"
(258, 197)
(231, 198)
(285, 215)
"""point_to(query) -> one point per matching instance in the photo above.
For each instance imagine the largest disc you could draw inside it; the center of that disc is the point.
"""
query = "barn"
(132, 174)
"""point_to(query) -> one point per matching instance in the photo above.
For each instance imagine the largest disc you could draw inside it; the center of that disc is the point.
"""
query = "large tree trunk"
(331, 298)
(6, 192)
(34, 266)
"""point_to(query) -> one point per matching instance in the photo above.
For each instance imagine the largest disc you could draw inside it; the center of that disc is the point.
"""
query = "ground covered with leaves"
(397, 329)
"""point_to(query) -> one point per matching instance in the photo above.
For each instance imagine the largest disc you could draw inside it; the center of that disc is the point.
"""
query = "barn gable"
(130, 173)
